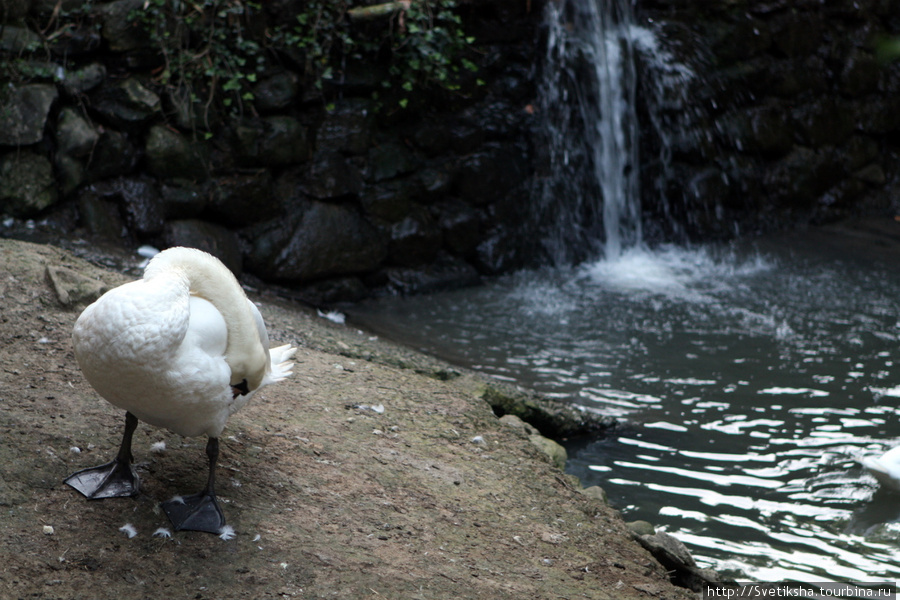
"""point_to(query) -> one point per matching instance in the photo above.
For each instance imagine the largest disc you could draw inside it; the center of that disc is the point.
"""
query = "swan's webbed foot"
(113, 480)
(200, 512)
(116, 479)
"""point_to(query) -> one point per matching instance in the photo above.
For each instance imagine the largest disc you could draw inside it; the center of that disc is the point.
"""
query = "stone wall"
(318, 189)
(790, 118)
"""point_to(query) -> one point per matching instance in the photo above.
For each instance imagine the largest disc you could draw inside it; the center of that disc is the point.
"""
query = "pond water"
(747, 381)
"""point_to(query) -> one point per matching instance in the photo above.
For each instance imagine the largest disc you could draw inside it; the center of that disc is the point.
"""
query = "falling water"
(588, 203)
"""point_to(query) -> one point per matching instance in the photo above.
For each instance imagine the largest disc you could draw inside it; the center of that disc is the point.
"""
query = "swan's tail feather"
(279, 365)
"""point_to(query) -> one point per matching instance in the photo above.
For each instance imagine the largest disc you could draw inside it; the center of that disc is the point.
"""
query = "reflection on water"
(747, 384)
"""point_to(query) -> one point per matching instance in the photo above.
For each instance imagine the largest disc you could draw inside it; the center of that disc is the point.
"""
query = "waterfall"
(588, 201)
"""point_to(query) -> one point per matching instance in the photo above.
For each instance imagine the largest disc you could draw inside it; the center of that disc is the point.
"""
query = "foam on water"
(686, 273)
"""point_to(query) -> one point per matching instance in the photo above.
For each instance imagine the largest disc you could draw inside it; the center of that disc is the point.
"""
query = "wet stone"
(100, 217)
(113, 156)
(243, 198)
(415, 240)
(389, 200)
(171, 154)
(139, 200)
(219, 241)
(333, 177)
(23, 113)
(75, 135)
(125, 104)
(27, 184)
(70, 173)
(17, 39)
(317, 240)
(271, 141)
(347, 128)
(445, 273)
(387, 161)
(120, 30)
(275, 92)
(183, 198)
(461, 228)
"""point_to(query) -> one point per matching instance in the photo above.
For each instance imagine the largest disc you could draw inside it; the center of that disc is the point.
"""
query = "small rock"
(514, 421)
(74, 289)
(597, 493)
(667, 548)
(639, 528)
(552, 449)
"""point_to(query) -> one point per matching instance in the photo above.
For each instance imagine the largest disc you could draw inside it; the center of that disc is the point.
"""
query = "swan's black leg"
(116, 479)
(200, 512)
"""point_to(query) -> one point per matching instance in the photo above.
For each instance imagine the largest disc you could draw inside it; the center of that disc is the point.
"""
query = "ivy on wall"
(215, 50)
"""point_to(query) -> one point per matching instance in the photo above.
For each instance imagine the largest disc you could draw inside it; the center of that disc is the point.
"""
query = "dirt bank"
(431, 498)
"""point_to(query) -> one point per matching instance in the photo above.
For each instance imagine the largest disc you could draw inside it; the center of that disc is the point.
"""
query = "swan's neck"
(209, 279)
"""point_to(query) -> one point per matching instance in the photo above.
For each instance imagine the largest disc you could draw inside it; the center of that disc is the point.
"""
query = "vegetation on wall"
(214, 51)
(207, 52)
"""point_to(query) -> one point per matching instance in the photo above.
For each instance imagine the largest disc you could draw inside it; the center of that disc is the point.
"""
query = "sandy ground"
(431, 498)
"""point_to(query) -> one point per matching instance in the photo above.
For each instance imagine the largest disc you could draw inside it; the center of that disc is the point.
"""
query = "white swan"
(183, 348)
(885, 468)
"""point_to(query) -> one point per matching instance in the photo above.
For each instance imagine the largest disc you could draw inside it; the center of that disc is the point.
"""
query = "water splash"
(689, 274)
